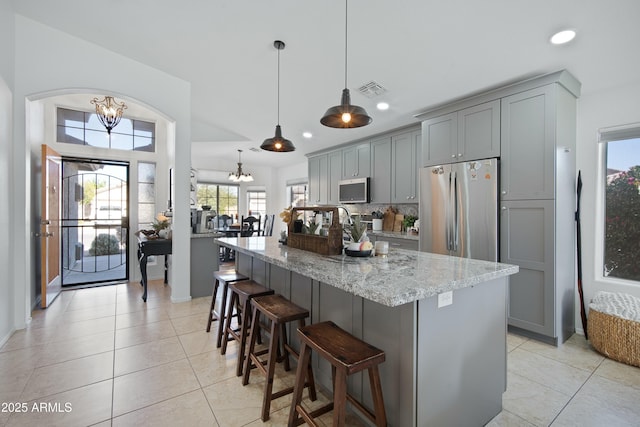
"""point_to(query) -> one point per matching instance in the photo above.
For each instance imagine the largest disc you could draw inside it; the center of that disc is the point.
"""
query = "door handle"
(46, 234)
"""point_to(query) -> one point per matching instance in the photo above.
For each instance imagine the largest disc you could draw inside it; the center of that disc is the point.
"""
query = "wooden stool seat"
(347, 355)
(222, 278)
(279, 311)
(241, 295)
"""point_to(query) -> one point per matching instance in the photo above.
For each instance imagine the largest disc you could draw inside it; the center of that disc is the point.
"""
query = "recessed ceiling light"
(382, 106)
(307, 134)
(562, 37)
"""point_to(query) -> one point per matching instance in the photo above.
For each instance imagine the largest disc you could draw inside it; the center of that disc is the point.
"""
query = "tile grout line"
(576, 393)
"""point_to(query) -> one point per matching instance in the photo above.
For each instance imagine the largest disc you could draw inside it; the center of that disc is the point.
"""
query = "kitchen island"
(445, 361)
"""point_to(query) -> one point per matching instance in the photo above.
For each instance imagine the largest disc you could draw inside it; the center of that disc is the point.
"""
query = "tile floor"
(102, 357)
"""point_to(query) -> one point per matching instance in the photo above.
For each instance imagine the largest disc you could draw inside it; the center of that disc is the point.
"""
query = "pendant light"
(345, 115)
(109, 111)
(240, 176)
(278, 143)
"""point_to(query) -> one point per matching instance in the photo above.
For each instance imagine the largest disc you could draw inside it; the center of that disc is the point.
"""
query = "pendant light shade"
(278, 143)
(346, 115)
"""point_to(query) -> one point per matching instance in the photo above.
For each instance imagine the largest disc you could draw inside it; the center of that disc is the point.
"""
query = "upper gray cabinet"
(356, 161)
(381, 170)
(334, 174)
(529, 144)
(405, 159)
(469, 134)
(318, 179)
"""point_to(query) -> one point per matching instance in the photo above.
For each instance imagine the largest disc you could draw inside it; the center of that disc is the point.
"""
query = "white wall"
(613, 107)
(8, 300)
(7, 310)
(48, 61)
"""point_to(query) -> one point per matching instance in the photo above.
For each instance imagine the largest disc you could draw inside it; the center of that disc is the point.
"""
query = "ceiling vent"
(371, 89)
(254, 149)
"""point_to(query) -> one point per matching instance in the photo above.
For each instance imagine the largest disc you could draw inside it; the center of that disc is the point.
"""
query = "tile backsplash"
(367, 208)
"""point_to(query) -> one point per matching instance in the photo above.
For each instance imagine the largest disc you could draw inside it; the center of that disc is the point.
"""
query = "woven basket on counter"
(323, 245)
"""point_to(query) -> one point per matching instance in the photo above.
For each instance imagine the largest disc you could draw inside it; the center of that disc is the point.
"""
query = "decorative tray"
(358, 253)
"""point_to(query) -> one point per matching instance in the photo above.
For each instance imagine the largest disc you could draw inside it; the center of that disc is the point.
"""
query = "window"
(222, 198)
(146, 194)
(257, 202)
(622, 203)
(79, 127)
(297, 194)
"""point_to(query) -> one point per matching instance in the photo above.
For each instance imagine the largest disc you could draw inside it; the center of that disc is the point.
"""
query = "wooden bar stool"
(241, 295)
(279, 311)
(221, 278)
(347, 355)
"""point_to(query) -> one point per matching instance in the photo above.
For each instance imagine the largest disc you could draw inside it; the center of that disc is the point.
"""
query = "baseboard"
(4, 339)
(176, 300)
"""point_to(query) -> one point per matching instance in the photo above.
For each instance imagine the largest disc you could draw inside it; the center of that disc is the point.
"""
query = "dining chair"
(267, 230)
(249, 225)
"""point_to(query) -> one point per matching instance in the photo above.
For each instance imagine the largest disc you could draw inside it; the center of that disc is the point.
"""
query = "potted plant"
(408, 222)
(358, 240)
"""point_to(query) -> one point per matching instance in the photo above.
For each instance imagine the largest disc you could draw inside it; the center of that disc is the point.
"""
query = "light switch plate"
(445, 299)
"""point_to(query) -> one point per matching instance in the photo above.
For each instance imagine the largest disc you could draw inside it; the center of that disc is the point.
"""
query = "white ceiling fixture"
(382, 106)
(562, 37)
(307, 134)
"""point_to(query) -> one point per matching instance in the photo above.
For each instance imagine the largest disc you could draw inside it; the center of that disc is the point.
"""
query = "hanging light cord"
(346, 11)
(278, 85)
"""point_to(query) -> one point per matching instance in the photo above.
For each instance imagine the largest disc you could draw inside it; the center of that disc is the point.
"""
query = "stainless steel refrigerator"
(459, 209)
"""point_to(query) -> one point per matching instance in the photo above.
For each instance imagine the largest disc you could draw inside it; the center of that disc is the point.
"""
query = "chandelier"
(240, 176)
(109, 111)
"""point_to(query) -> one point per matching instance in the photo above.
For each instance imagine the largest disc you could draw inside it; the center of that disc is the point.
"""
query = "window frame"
(260, 200)
(606, 136)
(141, 130)
(216, 208)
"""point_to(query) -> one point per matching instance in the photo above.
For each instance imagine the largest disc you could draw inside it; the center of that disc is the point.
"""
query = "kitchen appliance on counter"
(459, 209)
(203, 221)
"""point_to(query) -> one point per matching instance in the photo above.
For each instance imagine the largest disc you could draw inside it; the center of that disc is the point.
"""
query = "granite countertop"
(404, 276)
(204, 235)
(394, 234)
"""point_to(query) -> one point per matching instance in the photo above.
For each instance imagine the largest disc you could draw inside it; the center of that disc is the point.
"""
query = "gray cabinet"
(334, 175)
(469, 134)
(318, 179)
(405, 159)
(538, 206)
(325, 173)
(529, 144)
(527, 240)
(356, 161)
(381, 170)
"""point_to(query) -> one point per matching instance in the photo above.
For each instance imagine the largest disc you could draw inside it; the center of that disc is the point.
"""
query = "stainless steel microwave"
(354, 190)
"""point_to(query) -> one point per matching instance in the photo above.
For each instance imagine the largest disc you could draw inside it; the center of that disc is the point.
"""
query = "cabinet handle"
(504, 191)
(459, 154)
(453, 156)
(408, 197)
(504, 208)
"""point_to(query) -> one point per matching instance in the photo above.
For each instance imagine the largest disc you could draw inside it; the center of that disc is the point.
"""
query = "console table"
(146, 248)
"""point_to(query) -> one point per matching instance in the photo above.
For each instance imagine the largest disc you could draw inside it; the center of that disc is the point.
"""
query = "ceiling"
(425, 53)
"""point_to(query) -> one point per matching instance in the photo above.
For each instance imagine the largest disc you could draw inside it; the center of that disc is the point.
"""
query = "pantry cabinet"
(380, 190)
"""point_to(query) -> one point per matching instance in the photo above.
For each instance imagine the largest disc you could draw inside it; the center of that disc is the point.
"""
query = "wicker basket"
(323, 245)
(615, 337)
